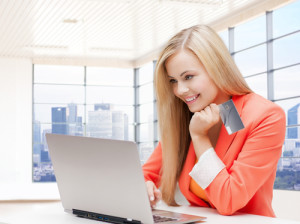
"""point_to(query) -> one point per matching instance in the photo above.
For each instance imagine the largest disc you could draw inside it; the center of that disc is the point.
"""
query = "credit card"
(230, 117)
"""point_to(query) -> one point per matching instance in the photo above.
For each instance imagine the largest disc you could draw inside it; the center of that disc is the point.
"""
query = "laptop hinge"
(103, 218)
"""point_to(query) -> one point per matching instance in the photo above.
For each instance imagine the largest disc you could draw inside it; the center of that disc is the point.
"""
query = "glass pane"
(130, 133)
(58, 74)
(286, 50)
(287, 82)
(250, 33)
(146, 93)
(127, 110)
(42, 166)
(112, 95)
(157, 138)
(252, 61)
(146, 73)
(291, 108)
(146, 113)
(58, 94)
(112, 124)
(258, 84)
(43, 112)
(109, 76)
(224, 36)
(288, 174)
(292, 142)
(286, 19)
(146, 150)
(146, 132)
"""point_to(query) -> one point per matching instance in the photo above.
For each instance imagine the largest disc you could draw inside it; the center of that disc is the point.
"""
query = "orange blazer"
(250, 156)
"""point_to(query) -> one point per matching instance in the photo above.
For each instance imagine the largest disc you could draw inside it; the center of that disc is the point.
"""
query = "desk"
(52, 212)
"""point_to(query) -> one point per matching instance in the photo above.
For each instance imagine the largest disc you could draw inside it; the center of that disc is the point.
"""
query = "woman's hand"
(202, 121)
(154, 194)
(200, 125)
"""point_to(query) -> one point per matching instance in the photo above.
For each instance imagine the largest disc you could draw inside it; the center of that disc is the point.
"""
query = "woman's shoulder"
(256, 103)
(256, 106)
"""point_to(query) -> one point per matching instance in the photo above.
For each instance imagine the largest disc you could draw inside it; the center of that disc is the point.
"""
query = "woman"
(194, 74)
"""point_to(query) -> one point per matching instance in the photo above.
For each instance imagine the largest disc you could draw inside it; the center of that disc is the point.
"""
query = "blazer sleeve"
(152, 167)
(234, 186)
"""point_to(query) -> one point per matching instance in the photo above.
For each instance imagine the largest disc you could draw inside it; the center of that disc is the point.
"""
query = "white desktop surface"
(53, 212)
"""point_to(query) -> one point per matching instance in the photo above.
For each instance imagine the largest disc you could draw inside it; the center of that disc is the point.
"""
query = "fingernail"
(151, 198)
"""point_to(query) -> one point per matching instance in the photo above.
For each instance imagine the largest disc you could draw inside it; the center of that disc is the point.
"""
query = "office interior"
(95, 59)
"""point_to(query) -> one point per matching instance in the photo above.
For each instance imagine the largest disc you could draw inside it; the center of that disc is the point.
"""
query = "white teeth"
(190, 99)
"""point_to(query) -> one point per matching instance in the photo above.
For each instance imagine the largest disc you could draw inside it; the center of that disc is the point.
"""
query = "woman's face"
(191, 82)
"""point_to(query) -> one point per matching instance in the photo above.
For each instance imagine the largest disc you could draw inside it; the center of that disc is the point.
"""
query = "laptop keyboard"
(158, 219)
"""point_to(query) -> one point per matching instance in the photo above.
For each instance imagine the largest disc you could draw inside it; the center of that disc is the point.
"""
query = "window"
(145, 107)
(286, 50)
(287, 82)
(286, 19)
(252, 61)
(286, 77)
(96, 102)
(258, 83)
(275, 75)
(250, 33)
(288, 170)
(224, 37)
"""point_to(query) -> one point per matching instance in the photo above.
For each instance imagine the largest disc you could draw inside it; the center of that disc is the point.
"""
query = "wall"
(16, 133)
(286, 204)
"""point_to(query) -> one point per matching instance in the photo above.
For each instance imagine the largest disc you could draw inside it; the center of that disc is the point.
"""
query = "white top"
(53, 212)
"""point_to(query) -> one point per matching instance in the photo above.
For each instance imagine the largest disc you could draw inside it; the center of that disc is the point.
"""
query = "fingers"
(157, 195)
(154, 194)
(215, 109)
(202, 121)
(210, 113)
(150, 190)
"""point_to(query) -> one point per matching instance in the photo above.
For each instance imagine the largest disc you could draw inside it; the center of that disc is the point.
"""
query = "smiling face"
(191, 82)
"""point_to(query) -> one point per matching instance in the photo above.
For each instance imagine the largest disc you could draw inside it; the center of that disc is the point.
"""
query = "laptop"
(102, 179)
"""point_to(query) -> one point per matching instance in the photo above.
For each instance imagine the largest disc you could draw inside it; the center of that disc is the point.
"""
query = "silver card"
(230, 117)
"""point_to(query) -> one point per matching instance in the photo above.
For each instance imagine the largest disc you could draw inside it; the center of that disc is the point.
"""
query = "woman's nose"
(182, 88)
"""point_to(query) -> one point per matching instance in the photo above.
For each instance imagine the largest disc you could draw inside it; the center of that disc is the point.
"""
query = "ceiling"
(121, 32)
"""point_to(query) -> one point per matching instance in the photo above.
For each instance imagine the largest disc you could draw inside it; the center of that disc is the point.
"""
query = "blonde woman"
(232, 173)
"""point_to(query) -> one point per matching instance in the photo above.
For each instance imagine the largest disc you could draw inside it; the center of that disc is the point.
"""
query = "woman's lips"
(191, 99)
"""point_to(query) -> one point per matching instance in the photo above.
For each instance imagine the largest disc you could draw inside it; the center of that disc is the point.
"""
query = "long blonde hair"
(173, 114)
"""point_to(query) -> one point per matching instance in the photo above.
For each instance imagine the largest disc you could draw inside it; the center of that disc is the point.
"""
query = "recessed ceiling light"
(71, 21)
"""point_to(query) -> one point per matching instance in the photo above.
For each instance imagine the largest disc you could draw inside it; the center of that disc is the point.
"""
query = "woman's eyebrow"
(183, 73)
(179, 75)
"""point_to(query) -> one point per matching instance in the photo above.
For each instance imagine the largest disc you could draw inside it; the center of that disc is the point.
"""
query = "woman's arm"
(151, 170)
(152, 167)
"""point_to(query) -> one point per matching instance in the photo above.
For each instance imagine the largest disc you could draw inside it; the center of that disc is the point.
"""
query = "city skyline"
(103, 122)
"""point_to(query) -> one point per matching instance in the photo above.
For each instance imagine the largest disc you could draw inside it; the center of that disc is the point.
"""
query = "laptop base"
(103, 218)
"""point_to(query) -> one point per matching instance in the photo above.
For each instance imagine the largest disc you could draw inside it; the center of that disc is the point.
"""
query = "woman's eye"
(188, 77)
(173, 81)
